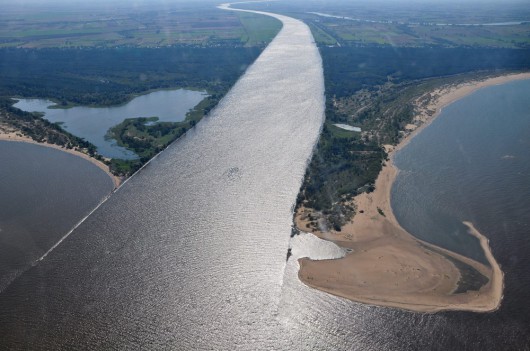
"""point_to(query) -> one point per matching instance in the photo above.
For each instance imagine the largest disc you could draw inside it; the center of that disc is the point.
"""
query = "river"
(190, 253)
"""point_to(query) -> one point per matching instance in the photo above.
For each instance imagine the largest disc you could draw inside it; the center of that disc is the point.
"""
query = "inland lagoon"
(93, 123)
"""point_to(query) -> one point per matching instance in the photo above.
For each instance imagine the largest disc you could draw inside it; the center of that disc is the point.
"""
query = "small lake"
(93, 123)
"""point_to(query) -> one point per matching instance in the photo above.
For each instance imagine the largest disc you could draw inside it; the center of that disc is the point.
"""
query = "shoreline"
(445, 96)
(57, 104)
(12, 136)
(388, 266)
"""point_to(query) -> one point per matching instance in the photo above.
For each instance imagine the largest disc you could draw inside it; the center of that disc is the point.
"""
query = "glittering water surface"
(190, 253)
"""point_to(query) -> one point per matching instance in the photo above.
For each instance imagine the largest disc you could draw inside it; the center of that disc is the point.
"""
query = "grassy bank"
(146, 136)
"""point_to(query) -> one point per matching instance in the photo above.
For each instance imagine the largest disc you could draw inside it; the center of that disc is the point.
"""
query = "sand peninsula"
(387, 266)
(8, 133)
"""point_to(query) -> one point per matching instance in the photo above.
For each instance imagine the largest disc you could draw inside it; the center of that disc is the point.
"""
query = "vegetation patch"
(146, 136)
(375, 89)
(258, 29)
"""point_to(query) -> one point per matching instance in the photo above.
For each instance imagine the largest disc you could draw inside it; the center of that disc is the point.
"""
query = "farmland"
(380, 23)
(126, 25)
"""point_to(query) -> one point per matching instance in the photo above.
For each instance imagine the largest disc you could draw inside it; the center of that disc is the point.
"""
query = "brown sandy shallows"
(9, 134)
(388, 266)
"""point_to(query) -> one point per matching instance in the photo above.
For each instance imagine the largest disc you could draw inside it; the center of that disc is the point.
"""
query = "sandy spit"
(387, 265)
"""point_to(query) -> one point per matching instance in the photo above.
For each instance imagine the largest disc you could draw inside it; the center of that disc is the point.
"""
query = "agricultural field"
(202, 24)
(379, 23)
(354, 33)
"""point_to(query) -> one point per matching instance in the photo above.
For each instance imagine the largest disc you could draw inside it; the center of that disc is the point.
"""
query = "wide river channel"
(190, 253)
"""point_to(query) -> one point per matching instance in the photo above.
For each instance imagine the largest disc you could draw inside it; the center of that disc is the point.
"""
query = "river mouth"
(190, 251)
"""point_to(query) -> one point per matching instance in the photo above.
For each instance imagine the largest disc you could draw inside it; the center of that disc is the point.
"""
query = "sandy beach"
(387, 266)
(11, 135)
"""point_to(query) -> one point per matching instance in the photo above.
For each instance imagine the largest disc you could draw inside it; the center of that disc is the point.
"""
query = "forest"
(112, 76)
(103, 77)
(348, 69)
(373, 88)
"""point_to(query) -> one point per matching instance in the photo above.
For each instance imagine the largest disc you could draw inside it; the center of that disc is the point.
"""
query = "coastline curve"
(379, 243)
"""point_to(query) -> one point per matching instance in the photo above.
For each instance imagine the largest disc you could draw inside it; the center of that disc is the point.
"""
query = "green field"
(352, 33)
(419, 24)
(258, 29)
(142, 26)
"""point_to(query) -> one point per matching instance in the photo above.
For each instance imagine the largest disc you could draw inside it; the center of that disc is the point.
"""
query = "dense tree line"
(342, 167)
(111, 76)
(348, 69)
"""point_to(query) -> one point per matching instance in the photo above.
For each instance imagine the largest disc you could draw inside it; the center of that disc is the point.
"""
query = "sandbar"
(387, 266)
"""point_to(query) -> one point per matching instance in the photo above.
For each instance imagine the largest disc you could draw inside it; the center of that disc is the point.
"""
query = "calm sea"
(44, 192)
(473, 164)
(190, 254)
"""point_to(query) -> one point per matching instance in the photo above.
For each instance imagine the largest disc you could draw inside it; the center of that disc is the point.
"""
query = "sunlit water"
(93, 123)
(190, 254)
